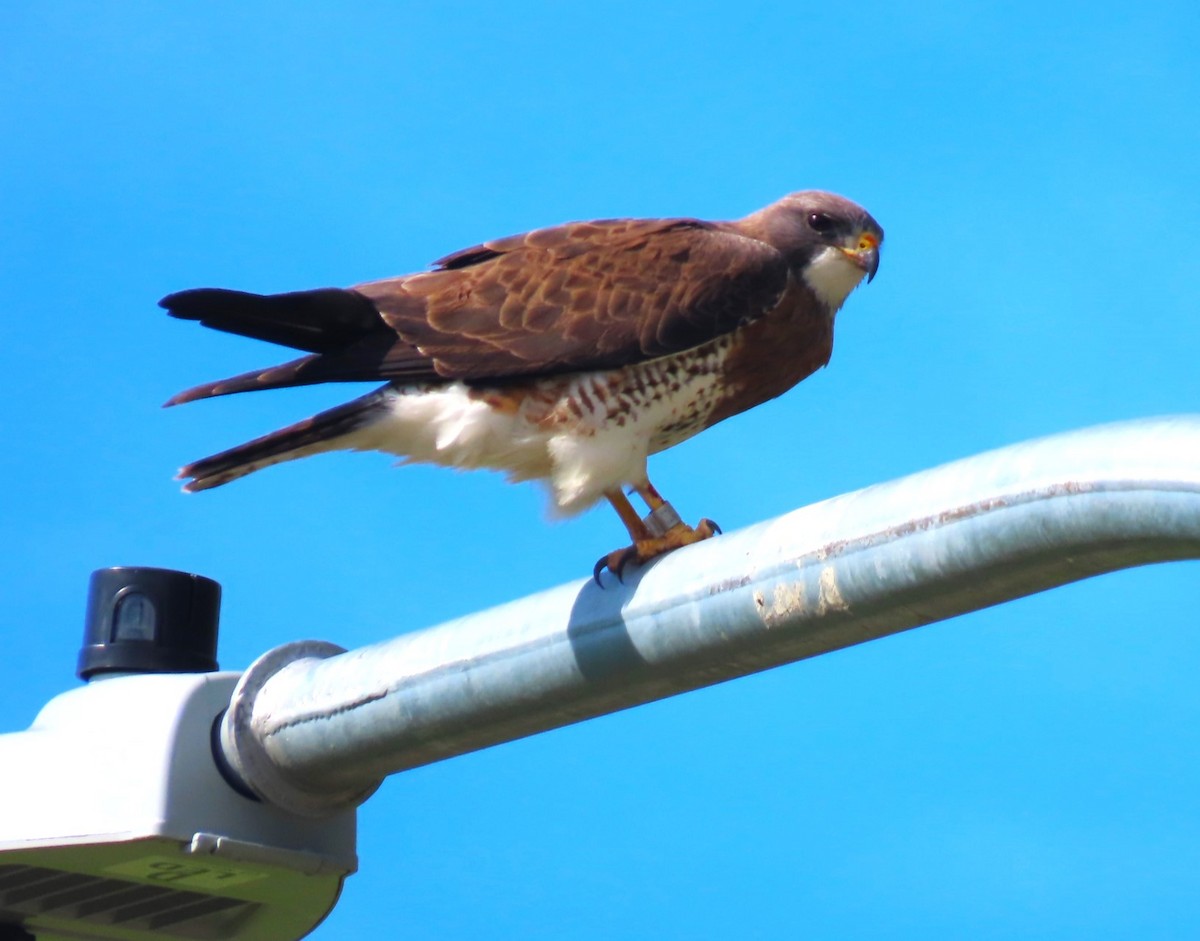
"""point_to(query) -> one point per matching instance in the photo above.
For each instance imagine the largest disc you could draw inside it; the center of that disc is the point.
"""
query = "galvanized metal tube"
(313, 729)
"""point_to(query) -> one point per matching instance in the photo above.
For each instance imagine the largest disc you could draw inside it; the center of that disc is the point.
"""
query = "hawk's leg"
(660, 531)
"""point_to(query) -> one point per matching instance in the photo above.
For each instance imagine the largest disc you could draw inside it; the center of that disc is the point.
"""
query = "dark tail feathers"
(320, 321)
(311, 436)
(341, 329)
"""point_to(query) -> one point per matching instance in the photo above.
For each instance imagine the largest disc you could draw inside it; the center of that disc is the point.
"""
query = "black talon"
(712, 524)
(622, 559)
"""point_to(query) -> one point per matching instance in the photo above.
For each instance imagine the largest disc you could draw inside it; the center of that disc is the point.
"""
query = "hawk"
(566, 355)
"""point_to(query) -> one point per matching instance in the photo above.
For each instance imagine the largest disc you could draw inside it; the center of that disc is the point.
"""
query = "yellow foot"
(643, 550)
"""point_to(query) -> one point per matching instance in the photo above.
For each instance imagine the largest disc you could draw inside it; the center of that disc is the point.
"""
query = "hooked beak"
(865, 254)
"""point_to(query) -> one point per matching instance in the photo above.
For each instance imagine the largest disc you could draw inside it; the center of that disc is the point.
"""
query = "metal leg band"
(662, 519)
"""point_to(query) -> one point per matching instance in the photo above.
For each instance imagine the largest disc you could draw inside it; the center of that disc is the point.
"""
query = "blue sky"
(1026, 771)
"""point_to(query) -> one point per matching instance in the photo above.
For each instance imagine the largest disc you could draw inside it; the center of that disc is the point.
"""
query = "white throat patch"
(832, 276)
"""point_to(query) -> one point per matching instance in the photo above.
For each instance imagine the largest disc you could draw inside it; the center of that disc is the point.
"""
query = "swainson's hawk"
(567, 355)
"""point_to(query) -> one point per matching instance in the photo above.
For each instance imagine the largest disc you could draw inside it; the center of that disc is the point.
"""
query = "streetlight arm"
(315, 729)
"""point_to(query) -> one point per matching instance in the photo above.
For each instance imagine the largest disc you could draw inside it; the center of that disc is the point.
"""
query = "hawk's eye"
(820, 222)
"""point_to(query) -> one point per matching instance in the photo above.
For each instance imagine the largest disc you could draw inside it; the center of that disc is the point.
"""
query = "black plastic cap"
(147, 620)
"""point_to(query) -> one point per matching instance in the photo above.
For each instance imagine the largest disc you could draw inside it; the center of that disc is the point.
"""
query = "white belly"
(582, 435)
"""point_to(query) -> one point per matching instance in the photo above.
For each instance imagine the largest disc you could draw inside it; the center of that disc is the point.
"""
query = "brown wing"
(588, 295)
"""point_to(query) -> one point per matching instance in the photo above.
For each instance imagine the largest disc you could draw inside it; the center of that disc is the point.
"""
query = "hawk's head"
(830, 241)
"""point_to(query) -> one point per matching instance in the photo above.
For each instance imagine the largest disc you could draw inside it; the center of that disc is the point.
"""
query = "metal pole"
(314, 729)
